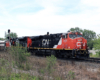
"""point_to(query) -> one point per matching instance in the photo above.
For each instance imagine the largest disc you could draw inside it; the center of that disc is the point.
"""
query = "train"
(4, 44)
(67, 45)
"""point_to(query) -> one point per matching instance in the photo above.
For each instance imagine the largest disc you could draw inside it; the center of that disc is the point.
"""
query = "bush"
(5, 69)
(19, 55)
(49, 69)
(22, 76)
(70, 75)
(51, 60)
(97, 55)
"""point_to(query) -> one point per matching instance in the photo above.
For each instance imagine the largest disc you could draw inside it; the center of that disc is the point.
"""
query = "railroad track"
(92, 60)
(97, 60)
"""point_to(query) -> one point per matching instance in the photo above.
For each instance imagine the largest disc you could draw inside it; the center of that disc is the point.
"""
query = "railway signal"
(8, 30)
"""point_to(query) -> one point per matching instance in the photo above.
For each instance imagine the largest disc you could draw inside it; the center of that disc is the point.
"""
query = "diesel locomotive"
(68, 45)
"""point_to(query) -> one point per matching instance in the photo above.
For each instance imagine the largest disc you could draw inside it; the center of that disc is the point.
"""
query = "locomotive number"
(79, 43)
(45, 42)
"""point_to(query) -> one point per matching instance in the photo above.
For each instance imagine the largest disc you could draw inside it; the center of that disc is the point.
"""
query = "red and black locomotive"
(70, 44)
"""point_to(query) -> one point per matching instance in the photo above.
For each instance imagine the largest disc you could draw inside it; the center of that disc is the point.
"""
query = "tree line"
(12, 35)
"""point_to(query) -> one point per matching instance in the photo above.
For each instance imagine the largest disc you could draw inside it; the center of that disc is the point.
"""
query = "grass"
(95, 55)
(6, 72)
(20, 76)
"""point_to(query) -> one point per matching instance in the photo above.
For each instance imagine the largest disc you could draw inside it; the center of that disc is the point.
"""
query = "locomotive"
(68, 45)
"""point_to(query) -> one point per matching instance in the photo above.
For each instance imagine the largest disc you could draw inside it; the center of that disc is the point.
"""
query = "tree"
(90, 44)
(76, 29)
(89, 35)
(1, 38)
(97, 45)
(12, 35)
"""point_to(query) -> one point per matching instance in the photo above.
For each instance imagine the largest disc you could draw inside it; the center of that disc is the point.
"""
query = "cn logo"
(79, 43)
(45, 42)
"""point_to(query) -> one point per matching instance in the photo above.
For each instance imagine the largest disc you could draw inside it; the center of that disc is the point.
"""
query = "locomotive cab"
(78, 44)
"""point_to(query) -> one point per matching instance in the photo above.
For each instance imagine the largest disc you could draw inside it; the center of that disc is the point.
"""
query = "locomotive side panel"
(46, 41)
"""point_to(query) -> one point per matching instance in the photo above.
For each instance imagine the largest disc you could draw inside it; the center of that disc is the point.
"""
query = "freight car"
(4, 44)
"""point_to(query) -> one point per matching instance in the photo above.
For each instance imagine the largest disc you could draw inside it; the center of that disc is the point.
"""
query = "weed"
(70, 75)
(20, 76)
(19, 55)
(58, 78)
(2, 62)
(51, 60)
(49, 69)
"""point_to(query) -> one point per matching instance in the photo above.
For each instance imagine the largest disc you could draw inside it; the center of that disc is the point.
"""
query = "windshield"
(79, 35)
(74, 35)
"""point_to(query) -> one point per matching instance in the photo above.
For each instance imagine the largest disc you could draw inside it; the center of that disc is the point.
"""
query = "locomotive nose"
(80, 40)
(79, 43)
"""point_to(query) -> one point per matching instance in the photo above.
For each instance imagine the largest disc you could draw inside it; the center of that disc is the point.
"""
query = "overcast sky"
(37, 17)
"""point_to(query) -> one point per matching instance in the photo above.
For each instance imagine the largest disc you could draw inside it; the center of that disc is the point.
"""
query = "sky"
(37, 17)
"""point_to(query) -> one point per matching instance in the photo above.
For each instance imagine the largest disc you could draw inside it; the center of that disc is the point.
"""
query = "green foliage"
(6, 72)
(2, 62)
(89, 35)
(76, 29)
(5, 69)
(28, 67)
(2, 39)
(90, 44)
(51, 60)
(20, 76)
(49, 69)
(27, 54)
(70, 75)
(42, 71)
(19, 55)
(12, 35)
(94, 55)
(97, 45)
(58, 78)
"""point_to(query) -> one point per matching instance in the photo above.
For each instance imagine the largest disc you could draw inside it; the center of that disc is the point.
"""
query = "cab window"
(79, 35)
(72, 35)
(64, 36)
